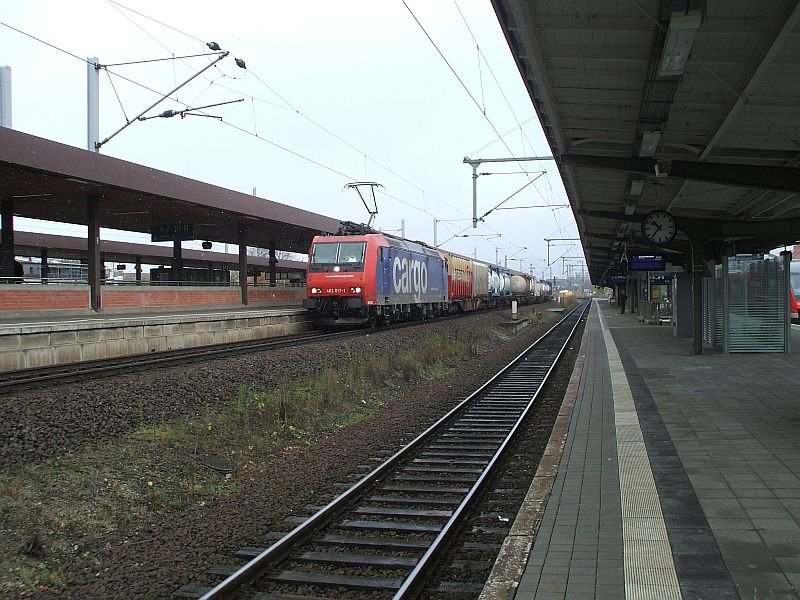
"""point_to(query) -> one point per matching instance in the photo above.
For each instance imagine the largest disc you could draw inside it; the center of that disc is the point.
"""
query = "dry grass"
(67, 506)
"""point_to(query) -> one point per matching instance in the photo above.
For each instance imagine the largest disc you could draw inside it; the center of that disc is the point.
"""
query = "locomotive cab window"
(351, 252)
(347, 255)
(324, 254)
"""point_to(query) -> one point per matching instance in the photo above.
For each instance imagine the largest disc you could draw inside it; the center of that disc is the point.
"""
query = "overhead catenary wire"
(502, 93)
(228, 123)
(504, 134)
(469, 93)
(119, 100)
(154, 60)
(135, 24)
(187, 105)
(83, 60)
(358, 150)
(175, 29)
(491, 71)
(254, 134)
(290, 106)
(491, 210)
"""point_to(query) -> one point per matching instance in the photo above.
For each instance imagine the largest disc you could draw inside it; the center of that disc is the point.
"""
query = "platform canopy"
(52, 181)
(689, 106)
(74, 248)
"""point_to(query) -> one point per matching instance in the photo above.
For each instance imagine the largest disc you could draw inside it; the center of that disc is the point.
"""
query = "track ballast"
(386, 534)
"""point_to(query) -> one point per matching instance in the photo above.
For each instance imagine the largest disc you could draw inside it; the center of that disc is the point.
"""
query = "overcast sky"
(334, 92)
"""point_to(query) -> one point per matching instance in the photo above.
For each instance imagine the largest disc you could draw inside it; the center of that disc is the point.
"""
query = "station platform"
(42, 338)
(667, 475)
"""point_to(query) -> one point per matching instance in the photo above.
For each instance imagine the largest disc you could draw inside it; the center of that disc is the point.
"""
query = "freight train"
(374, 278)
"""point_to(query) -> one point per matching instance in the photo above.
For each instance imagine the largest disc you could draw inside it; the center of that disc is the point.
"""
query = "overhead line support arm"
(475, 162)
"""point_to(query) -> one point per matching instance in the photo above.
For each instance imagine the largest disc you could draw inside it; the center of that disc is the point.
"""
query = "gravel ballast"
(79, 521)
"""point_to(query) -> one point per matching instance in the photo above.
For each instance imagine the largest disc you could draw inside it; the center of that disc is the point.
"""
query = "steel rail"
(416, 580)
(259, 565)
(67, 372)
(25, 378)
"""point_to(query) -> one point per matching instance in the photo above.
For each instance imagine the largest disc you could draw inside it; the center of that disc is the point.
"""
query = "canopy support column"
(272, 262)
(243, 262)
(7, 242)
(45, 266)
(177, 261)
(93, 251)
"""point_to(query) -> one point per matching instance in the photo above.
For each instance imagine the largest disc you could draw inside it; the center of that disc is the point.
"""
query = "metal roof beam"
(524, 43)
(751, 176)
(789, 26)
(778, 230)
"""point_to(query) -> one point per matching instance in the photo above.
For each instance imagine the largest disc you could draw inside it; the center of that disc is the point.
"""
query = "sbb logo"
(410, 276)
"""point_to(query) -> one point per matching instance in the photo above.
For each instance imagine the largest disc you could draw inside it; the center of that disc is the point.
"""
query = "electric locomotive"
(373, 278)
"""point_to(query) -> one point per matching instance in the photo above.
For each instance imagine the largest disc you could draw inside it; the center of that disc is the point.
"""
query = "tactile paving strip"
(649, 568)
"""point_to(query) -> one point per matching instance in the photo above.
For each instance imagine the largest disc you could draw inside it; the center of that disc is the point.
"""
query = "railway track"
(31, 378)
(28, 378)
(385, 534)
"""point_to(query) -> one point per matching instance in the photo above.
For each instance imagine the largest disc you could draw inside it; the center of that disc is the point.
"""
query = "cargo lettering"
(410, 276)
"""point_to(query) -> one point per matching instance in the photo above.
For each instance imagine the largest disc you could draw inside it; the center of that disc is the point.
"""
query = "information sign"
(647, 263)
(660, 279)
(167, 232)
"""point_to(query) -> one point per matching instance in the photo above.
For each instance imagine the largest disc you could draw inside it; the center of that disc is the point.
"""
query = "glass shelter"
(746, 304)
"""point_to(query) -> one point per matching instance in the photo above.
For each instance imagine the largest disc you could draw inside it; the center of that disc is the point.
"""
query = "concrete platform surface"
(680, 474)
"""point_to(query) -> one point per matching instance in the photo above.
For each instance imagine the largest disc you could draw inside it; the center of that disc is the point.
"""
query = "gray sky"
(334, 91)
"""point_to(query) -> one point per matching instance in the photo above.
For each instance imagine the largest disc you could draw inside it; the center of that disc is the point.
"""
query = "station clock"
(659, 227)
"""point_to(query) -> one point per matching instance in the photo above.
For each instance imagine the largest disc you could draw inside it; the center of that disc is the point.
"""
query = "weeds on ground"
(71, 502)
(334, 395)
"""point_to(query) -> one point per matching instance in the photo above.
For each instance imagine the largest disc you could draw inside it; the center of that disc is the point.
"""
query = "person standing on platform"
(621, 301)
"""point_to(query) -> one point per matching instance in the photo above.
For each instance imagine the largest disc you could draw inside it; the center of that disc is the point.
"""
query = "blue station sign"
(647, 263)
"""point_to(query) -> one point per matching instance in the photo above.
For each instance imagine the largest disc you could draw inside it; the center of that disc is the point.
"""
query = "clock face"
(659, 227)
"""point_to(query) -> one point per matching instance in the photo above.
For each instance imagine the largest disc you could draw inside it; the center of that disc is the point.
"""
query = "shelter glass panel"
(713, 309)
(757, 300)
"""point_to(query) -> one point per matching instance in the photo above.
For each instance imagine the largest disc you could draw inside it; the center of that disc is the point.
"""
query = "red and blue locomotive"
(375, 278)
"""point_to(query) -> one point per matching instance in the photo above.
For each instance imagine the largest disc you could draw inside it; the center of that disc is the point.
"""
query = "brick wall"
(17, 298)
(287, 295)
(42, 298)
(132, 297)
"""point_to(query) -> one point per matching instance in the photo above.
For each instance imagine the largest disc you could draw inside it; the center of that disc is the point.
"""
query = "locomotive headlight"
(355, 290)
